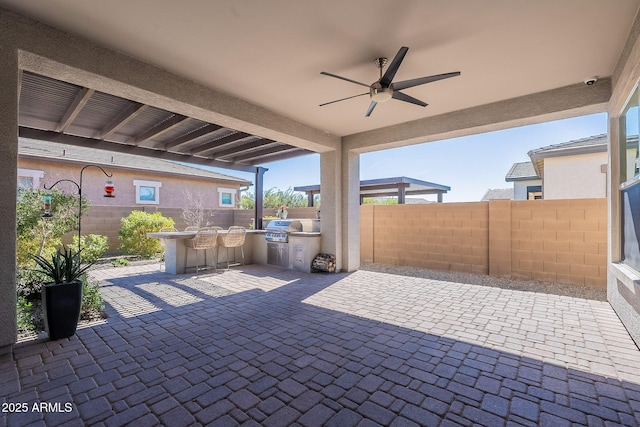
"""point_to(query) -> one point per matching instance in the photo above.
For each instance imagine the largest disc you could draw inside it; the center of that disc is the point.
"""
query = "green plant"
(120, 262)
(42, 235)
(25, 319)
(93, 246)
(92, 303)
(29, 283)
(65, 266)
(134, 229)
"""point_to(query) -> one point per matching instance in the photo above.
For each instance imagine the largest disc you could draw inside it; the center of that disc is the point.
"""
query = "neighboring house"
(527, 185)
(498, 194)
(570, 170)
(139, 181)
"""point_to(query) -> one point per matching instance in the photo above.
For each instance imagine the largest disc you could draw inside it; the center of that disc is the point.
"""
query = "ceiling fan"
(383, 89)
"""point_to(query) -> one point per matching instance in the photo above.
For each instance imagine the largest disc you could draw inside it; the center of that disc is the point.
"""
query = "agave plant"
(64, 267)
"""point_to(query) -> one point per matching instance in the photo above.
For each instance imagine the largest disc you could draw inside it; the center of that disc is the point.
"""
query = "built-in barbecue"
(277, 237)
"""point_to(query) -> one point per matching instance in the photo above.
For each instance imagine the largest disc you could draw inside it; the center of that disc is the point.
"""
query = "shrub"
(120, 262)
(133, 233)
(93, 246)
(92, 303)
(29, 283)
(25, 319)
(42, 235)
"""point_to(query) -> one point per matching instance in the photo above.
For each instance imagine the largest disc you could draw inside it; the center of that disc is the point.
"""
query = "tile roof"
(592, 144)
(521, 171)
(497, 193)
(74, 154)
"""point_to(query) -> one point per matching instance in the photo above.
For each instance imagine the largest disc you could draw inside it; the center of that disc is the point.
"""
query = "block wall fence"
(563, 241)
(106, 220)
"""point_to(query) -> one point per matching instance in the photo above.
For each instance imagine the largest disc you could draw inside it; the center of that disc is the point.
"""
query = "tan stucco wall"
(575, 177)
(563, 241)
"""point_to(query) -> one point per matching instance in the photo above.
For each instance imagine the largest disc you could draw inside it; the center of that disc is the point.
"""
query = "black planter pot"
(61, 308)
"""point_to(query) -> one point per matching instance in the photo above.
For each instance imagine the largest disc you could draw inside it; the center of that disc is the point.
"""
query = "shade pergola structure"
(59, 111)
(400, 186)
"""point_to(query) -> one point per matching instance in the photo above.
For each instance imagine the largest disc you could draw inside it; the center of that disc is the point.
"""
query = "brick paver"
(265, 346)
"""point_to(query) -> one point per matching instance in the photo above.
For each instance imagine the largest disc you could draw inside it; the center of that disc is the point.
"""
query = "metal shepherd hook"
(79, 186)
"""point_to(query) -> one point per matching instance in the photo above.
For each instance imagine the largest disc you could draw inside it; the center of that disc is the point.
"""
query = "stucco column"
(350, 210)
(340, 202)
(331, 205)
(9, 90)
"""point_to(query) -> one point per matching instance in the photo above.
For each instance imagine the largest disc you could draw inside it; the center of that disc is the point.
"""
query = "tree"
(274, 198)
(247, 201)
(41, 235)
(380, 201)
(194, 213)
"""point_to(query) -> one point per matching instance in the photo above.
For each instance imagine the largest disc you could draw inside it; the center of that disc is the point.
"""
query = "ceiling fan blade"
(423, 80)
(406, 98)
(344, 78)
(392, 69)
(371, 107)
(343, 99)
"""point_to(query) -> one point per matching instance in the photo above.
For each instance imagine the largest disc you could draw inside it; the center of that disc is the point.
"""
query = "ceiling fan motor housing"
(380, 93)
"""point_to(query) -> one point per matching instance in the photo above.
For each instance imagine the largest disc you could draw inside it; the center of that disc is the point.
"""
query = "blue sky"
(470, 165)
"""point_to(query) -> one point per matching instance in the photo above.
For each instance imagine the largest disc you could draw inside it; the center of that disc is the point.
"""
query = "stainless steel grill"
(277, 237)
(278, 230)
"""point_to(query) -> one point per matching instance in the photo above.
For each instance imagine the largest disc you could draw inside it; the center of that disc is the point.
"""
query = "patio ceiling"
(58, 111)
(270, 54)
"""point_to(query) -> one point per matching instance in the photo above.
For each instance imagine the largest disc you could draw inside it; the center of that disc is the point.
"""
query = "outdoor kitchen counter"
(255, 250)
(304, 246)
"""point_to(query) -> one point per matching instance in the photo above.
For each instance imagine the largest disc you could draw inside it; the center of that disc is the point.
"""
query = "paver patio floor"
(265, 346)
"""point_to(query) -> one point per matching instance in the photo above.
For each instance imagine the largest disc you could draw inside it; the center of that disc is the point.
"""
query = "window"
(629, 159)
(147, 192)
(534, 192)
(227, 197)
(630, 179)
(29, 178)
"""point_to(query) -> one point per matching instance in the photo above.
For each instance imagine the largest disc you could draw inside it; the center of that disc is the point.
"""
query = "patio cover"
(400, 186)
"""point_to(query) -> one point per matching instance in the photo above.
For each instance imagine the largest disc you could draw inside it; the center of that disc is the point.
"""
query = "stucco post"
(331, 205)
(350, 210)
(9, 90)
(340, 199)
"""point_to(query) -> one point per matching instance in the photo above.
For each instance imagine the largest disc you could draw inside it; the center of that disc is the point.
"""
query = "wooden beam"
(74, 109)
(205, 130)
(161, 128)
(128, 149)
(130, 113)
(200, 149)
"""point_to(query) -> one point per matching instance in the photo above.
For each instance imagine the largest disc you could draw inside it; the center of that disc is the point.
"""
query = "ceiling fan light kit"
(383, 89)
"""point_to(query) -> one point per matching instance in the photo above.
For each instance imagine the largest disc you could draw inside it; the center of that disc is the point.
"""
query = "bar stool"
(204, 239)
(234, 238)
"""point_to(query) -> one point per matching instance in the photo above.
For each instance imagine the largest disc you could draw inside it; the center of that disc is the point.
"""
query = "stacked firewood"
(324, 262)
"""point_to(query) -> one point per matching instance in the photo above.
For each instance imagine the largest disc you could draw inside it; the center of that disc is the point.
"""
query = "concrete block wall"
(452, 237)
(561, 241)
